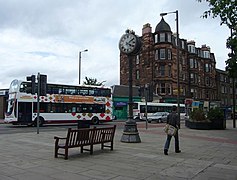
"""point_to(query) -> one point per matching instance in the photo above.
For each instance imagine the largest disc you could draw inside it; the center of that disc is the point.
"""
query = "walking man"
(173, 119)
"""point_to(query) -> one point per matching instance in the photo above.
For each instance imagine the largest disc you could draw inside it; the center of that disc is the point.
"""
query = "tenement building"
(156, 64)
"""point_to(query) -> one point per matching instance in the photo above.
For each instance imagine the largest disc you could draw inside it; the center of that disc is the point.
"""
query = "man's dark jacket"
(173, 119)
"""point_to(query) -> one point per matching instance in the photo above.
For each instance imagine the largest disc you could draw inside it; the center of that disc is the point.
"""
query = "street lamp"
(177, 49)
(80, 64)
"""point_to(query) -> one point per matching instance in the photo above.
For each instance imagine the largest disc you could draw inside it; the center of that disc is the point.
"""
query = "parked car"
(158, 117)
(183, 116)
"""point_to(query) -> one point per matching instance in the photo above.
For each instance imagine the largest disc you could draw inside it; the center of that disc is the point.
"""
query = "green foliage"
(232, 61)
(215, 115)
(198, 115)
(93, 81)
(226, 10)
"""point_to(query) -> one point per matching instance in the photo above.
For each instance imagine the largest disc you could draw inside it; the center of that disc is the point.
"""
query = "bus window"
(97, 92)
(142, 109)
(105, 92)
(74, 109)
(91, 92)
(23, 87)
(10, 107)
(90, 109)
(57, 108)
(83, 92)
(79, 109)
(70, 91)
(135, 105)
(60, 91)
(84, 108)
(49, 108)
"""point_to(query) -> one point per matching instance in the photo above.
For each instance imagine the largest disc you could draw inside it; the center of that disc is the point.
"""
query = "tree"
(92, 81)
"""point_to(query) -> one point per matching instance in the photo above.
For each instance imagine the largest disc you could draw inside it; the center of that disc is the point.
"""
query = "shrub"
(215, 115)
(198, 115)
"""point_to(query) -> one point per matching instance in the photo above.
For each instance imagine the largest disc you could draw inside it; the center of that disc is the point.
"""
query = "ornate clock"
(129, 43)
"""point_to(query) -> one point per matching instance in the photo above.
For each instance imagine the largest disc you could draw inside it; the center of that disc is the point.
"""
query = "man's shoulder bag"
(170, 130)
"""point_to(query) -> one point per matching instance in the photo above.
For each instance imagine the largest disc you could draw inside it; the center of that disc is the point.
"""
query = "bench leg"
(56, 152)
(66, 153)
(112, 146)
(102, 145)
(81, 149)
(91, 149)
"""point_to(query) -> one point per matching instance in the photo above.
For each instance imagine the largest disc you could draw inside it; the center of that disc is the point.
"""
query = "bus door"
(25, 112)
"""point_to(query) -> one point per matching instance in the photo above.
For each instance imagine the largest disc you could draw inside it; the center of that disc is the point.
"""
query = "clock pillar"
(130, 46)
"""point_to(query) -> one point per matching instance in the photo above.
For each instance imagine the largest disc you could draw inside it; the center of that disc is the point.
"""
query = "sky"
(46, 36)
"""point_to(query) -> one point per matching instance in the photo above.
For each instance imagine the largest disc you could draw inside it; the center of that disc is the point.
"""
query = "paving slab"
(206, 154)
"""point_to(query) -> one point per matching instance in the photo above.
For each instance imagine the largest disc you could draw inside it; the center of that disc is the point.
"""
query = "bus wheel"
(41, 122)
(95, 120)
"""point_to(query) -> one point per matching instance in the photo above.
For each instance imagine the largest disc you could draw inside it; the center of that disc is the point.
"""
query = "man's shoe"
(178, 151)
(166, 151)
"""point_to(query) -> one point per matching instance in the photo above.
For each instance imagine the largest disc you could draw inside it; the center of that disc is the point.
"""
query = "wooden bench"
(85, 137)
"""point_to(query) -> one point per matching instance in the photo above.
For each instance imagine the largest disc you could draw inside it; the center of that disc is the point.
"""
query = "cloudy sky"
(46, 35)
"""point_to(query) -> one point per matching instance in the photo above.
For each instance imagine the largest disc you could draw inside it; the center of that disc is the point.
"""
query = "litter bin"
(83, 124)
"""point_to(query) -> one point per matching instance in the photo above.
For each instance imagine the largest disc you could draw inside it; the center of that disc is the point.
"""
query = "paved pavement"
(205, 155)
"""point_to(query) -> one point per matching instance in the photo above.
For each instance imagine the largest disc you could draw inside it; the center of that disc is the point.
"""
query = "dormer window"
(191, 48)
(206, 54)
(182, 44)
(175, 40)
(156, 38)
(162, 37)
(169, 37)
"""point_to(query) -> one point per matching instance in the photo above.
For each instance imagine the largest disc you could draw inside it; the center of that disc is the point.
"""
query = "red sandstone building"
(156, 64)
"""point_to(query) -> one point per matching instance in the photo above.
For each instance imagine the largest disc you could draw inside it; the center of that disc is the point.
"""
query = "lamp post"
(80, 64)
(178, 58)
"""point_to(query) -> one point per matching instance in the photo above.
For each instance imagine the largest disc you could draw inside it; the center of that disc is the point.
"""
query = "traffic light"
(141, 91)
(43, 84)
(31, 85)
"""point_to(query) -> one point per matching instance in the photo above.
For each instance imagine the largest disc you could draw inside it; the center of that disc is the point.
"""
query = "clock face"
(128, 43)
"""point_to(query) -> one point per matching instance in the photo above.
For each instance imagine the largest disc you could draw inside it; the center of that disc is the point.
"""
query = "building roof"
(221, 71)
(162, 26)
(122, 91)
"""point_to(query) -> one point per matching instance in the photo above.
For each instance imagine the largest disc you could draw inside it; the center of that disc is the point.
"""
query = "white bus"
(62, 104)
(139, 109)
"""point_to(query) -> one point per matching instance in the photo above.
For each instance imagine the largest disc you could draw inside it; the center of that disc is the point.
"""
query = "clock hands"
(128, 43)
(131, 40)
